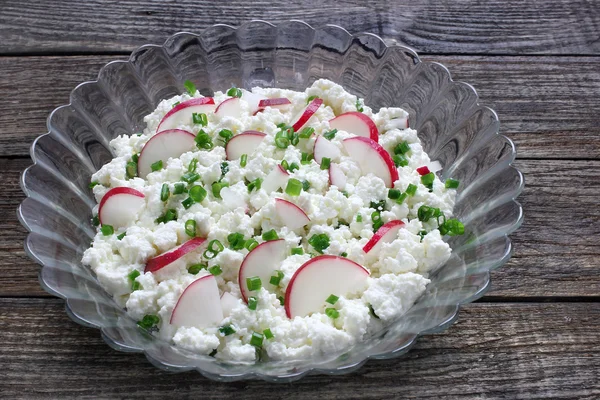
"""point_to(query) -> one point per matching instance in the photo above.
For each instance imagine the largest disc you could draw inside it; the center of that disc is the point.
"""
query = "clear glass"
(453, 127)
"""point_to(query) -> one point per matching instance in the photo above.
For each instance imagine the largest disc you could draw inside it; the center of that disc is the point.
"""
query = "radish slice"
(290, 214)
(162, 146)
(280, 103)
(262, 261)
(161, 261)
(324, 148)
(120, 206)
(199, 306)
(300, 120)
(385, 234)
(337, 176)
(277, 179)
(356, 123)
(372, 158)
(181, 114)
(228, 303)
(423, 170)
(230, 108)
(244, 143)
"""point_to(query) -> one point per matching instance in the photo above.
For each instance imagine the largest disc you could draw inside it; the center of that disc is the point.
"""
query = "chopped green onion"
(311, 98)
(200, 119)
(227, 330)
(427, 180)
(216, 188)
(193, 165)
(325, 162)
(294, 138)
(276, 279)
(215, 270)
(422, 234)
(92, 184)
(401, 199)
(250, 244)
(164, 192)
(190, 177)
(257, 339)
(359, 218)
(319, 242)
(281, 300)
(214, 248)
(170, 215)
(451, 183)
(402, 148)
(282, 125)
(270, 235)
(268, 334)
(226, 134)
(195, 268)
(135, 286)
(107, 230)
(297, 251)
(131, 169)
(281, 140)
(332, 313)
(332, 299)
(394, 194)
(236, 241)
(306, 158)
(187, 203)
(203, 140)
(306, 132)
(305, 185)
(179, 188)
(425, 213)
(135, 158)
(234, 92)
(133, 274)
(252, 302)
(400, 160)
(224, 168)
(411, 189)
(255, 184)
(149, 321)
(452, 227)
(253, 283)
(243, 160)
(344, 254)
(294, 187)
(378, 205)
(285, 164)
(330, 134)
(122, 235)
(293, 167)
(359, 106)
(190, 227)
(176, 104)
(95, 220)
(377, 222)
(197, 193)
(190, 87)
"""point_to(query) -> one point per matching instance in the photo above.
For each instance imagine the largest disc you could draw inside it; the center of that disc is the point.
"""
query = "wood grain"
(460, 26)
(556, 249)
(495, 351)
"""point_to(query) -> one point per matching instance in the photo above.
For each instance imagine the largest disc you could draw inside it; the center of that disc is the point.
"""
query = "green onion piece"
(190, 87)
(227, 330)
(330, 134)
(270, 235)
(203, 140)
(402, 148)
(294, 138)
(311, 98)
(135, 286)
(243, 160)
(359, 218)
(135, 158)
(133, 274)
(257, 339)
(122, 235)
(236, 241)
(411, 189)
(293, 167)
(92, 184)
(193, 165)
(401, 199)
(157, 166)
(285, 165)
(281, 140)
(276, 279)
(176, 104)
(306, 132)
(253, 283)
(187, 203)
(306, 158)
(190, 227)
(451, 183)
(422, 234)
(332, 299)
(332, 313)
(215, 246)
(149, 321)
(425, 213)
(197, 193)
(359, 106)
(226, 134)
(255, 184)
(195, 268)
(252, 302)
(305, 185)
(179, 188)
(400, 160)
(427, 180)
(319, 242)
(234, 92)
(294, 187)
(297, 251)
(378, 205)
(216, 188)
(344, 254)
(268, 334)
(377, 222)
(250, 244)
(190, 177)
(224, 168)
(394, 194)
(282, 125)
(131, 169)
(215, 270)
(325, 162)
(170, 215)
(107, 230)
(95, 220)
(200, 119)
(452, 227)
(281, 300)
(164, 192)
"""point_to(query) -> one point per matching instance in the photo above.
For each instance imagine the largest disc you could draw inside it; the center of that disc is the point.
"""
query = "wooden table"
(536, 334)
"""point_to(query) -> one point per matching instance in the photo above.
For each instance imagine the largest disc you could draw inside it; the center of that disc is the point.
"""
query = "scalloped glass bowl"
(453, 128)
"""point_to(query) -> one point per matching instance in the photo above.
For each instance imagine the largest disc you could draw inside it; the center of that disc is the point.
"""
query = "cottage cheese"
(398, 272)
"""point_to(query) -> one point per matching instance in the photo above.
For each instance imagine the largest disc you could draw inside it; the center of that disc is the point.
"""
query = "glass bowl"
(453, 128)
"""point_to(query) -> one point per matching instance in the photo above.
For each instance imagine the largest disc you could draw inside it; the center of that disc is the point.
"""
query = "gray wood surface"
(536, 333)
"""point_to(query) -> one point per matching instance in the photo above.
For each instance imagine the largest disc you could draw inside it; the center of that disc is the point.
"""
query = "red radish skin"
(270, 248)
(308, 112)
(388, 229)
(161, 261)
(182, 106)
(293, 216)
(356, 123)
(229, 108)
(280, 102)
(381, 152)
(164, 145)
(423, 170)
(116, 191)
(244, 143)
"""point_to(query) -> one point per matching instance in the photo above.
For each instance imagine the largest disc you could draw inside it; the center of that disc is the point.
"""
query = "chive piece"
(135, 158)
(422, 234)
(330, 134)
(190, 87)
(170, 215)
(250, 244)
(226, 135)
(179, 188)
(400, 160)
(107, 230)
(257, 339)
(332, 299)
(131, 169)
(187, 203)
(252, 303)
(234, 92)
(377, 222)
(122, 235)
(394, 194)
(200, 119)
(193, 165)
(176, 104)
(452, 227)
(164, 192)
(224, 168)
(305, 185)
(227, 330)
(293, 167)
(276, 279)
(319, 242)
(281, 300)
(255, 184)
(344, 254)
(378, 205)
(294, 187)
(306, 132)
(270, 235)
(285, 165)
(282, 140)
(359, 218)
(195, 268)
(92, 184)
(95, 220)
(214, 248)
(157, 166)
(402, 148)
(253, 283)
(401, 199)
(149, 321)
(215, 270)
(451, 183)
(297, 251)
(133, 274)
(135, 286)
(332, 313)
(427, 180)
(359, 106)
(236, 241)
(190, 177)
(268, 334)
(282, 125)
(294, 138)
(190, 227)
(203, 140)
(411, 189)
(311, 98)
(325, 162)
(243, 160)
(306, 158)
(216, 188)
(425, 213)
(197, 193)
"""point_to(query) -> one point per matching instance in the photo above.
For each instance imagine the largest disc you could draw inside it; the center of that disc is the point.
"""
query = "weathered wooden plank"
(556, 249)
(495, 351)
(462, 26)
(546, 104)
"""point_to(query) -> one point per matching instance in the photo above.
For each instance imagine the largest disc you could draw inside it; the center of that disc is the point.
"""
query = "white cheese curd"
(238, 200)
